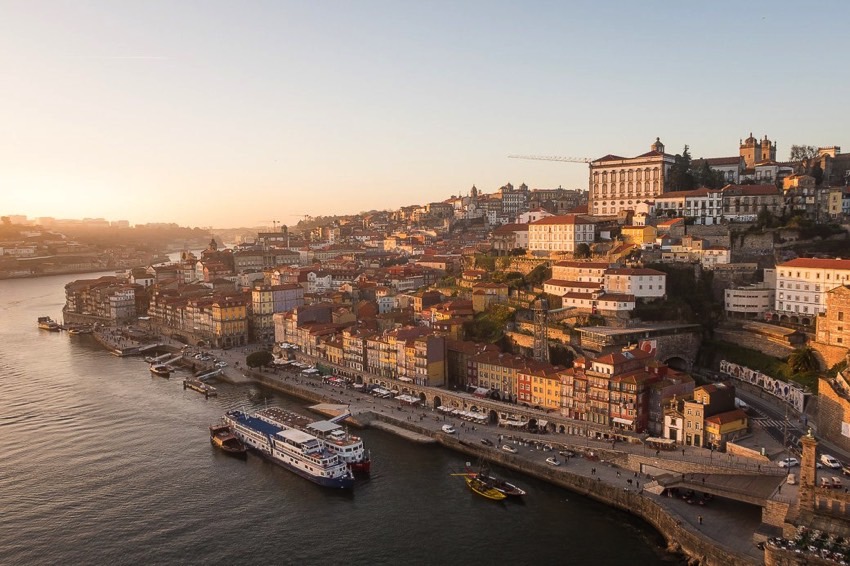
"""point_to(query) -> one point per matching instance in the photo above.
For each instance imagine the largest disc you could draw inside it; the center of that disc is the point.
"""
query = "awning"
(542, 422)
(618, 420)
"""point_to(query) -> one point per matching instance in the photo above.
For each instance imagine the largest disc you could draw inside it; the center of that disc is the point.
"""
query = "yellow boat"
(483, 489)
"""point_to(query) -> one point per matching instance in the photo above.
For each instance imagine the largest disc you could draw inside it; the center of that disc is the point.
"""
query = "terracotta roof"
(510, 228)
(587, 264)
(620, 357)
(720, 160)
(609, 157)
(817, 263)
(576, 284)
(633, 271)
(727, 417)
(617, 298)
(565, 219)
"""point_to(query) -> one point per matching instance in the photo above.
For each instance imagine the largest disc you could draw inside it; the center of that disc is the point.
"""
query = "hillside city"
(644, 306)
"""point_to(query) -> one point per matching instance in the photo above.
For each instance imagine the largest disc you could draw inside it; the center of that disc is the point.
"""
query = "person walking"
(699, 518)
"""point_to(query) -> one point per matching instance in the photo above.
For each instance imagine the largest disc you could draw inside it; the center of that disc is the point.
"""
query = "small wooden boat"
(160, 370)
(485, 475)
(481, 488)
(222, 437)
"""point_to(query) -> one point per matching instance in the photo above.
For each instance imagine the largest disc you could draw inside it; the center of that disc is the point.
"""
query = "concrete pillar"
(808, 472)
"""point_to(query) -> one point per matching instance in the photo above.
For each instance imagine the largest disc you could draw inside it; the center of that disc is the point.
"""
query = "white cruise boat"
(335, 438)
(294, 449)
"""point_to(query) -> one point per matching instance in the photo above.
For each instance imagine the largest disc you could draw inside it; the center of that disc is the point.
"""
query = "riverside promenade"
(717, 533)
(720, 532)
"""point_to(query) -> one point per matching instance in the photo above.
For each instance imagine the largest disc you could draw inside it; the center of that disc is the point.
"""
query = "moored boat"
(200, 387)
(222, 437)
(160, 370)
(293, 449)
(337, 440)
(47, 323)
(486, 475)
(481, 488)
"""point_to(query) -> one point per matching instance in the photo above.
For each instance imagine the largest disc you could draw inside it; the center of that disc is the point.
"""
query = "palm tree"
(803, 359)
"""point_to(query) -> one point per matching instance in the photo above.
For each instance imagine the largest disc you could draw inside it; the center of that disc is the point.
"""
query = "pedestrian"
(618, 474)
(699, 518)
(657, 453)
(637, 483)
(703, 480)
(683, 451)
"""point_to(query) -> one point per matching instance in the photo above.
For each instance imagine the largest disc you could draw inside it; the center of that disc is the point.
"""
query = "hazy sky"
(236, 113)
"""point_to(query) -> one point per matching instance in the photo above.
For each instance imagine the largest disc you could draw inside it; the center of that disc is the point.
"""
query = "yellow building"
(230, 322)
(638, 234)
(723, 427)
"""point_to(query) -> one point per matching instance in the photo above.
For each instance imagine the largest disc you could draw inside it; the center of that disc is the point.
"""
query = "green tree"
(486, 262)
(538, 275)
(803, 360)
(705, 176)
(259, 359)
(582, 251)
(680, 178)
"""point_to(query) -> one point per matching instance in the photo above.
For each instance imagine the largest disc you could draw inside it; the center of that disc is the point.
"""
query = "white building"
(577, 270)
(620, 183)
(641, 283)
(704, 205)
(802, 285)
(560, 233)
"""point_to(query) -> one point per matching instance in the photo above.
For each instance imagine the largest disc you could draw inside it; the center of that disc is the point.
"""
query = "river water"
(105, 463)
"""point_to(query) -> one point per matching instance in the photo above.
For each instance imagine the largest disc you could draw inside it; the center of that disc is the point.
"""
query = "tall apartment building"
(619, 183)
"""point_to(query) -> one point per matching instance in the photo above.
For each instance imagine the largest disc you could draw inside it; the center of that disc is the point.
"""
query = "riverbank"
(708, 535)
(603, 474)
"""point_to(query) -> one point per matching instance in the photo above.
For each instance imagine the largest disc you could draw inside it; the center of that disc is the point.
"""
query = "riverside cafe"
(471, 416)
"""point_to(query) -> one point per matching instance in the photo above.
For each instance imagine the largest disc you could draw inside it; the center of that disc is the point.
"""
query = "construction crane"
(553, 158)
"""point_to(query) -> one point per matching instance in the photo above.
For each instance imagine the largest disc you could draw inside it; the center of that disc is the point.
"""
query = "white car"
(449, 429)
(788, 462)
(509, 448)
(829, 461)
(552, 461)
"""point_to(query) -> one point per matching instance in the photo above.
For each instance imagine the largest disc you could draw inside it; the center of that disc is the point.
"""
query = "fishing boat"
(483, 489)
(200, 387)
(160, 370)
(222, 437)
(486, 475)
(47, 323)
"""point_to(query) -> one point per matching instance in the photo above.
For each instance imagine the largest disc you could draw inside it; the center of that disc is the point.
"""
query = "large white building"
(642, 283)
(802, 285)
(704, 205)
(560, 233)
(619, 183)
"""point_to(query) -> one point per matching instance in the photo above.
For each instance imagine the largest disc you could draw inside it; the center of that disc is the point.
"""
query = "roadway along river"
(105, 463)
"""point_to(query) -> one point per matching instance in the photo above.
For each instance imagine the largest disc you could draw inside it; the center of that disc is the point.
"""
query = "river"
(105, 463)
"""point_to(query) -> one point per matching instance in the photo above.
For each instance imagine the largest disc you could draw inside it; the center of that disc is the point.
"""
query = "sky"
(227, 114)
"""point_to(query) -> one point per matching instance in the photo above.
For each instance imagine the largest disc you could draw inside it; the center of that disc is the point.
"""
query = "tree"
(680, 178)
(259, 359)
(803, 360)
(705, 176)
(801, 152)
(817, 173)
(582, 251)
(538, 275)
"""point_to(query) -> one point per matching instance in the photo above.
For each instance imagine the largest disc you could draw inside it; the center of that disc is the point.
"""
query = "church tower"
(657, 146)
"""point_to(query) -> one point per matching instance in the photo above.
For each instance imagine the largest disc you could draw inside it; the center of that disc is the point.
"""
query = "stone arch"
(562, 429)
(437, 402)
(532, 423)
(783, 318)
(678, 362)
(494, 417)
(806, 321)
(795, 319)
(423, 399)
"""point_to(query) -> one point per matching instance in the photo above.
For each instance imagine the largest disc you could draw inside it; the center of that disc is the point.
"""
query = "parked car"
(509, 448)
(836, 482)
(788, 462)
(845, 469)
(449, 429)
(486, 442)
(552, 461)
(830, 461)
